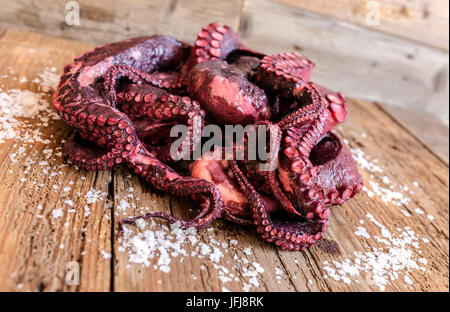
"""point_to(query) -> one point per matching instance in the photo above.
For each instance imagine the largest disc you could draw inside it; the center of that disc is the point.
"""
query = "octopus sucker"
(122, 100)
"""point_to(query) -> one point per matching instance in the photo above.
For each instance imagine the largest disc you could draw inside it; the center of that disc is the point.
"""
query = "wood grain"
(359, 62)
(114, 20)
(390, 70)
(426, 127)
(36, 247)
(423, 21)
(34, 251)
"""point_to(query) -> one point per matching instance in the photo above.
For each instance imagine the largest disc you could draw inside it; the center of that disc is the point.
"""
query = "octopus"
(122, 99)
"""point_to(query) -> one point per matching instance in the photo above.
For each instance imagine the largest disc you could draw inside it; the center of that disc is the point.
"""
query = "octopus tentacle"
(286, 74)
(118, 71)
(172, 81)
(292, 236)
(309, 112)
(289, 65)
(165, 179)
(104, 126)
(298, 144)
(87, 157)
(157, 79)
(214, 42)
(158, 105)
(79, 103)
(303, 146)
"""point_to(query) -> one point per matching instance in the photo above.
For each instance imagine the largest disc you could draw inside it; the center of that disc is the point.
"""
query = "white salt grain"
(419, 211)
(106, 255)
(361, 231)
(57, 213)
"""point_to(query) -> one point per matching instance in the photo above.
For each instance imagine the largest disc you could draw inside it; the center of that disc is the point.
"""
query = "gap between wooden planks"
(34, 251)
(423, 21)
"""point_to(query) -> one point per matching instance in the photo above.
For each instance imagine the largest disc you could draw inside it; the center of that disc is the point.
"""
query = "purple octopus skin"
(226, 95)
(123, 98)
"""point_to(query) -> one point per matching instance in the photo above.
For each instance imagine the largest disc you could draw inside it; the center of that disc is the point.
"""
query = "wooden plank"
(359, 62)
(427, 128)
(44, 227)
(423, 21)
(115, 20)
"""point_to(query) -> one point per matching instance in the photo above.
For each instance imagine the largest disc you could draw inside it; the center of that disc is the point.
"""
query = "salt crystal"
(106, 255)
(419, 211)
(57, 213)
(406, 213)
(361, 231)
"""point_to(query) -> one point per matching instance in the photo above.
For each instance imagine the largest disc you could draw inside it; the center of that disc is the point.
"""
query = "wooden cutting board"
(55, 219)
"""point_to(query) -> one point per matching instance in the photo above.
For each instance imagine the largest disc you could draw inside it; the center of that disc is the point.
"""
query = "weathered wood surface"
(423, 21)
(35, 247)
(360, 62)
(390, 70)
(113, 20)
(426, 127)
(34, 251)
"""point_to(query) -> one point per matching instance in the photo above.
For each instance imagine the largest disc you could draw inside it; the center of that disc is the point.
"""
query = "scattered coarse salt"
(363, 161)
(389, 196)
(87, 211)
(430, 217)
(18, 104)
(123, 205)
(380, 266)
(278, 273)
(419, 211)
(93, 195)
(48, 79)
(158, 246)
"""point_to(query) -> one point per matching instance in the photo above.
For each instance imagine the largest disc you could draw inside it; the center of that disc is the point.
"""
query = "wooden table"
(49, 224)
